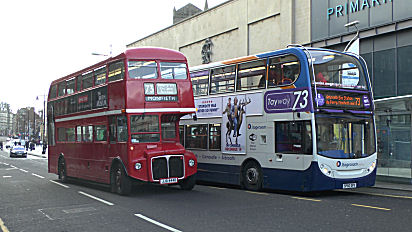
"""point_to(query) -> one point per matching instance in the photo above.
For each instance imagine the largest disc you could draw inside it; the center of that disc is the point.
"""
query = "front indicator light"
(138, 166)
(326, 170)
(191, 163)
(372, 166)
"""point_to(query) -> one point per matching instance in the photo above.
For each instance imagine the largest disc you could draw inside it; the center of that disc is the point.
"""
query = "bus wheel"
(252, 176)
(120, 182)
(188, 183)
(62, 170)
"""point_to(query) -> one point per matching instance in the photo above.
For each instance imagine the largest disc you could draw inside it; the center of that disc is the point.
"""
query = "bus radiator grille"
(163, 167)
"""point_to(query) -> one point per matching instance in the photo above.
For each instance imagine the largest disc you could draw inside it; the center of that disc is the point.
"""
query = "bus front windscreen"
(345, 137)
(338, 70)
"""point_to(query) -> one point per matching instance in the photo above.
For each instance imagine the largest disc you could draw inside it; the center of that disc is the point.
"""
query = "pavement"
(38, 152)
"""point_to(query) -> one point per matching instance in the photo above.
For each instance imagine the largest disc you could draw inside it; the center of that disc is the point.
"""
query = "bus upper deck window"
(142, 69)
(170, 70)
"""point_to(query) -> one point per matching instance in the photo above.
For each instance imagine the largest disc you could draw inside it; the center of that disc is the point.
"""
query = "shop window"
(384, 73)
(404, 70)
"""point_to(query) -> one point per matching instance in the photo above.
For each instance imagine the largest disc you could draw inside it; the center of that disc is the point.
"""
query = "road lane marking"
(380, 194)
(6, 176)
(8, 169)
(371, 207)
(259, 193)
(34, 174)
(157, 223)
(59, 184)
(23, 170)
(96, 198)
(3, 227)
(217, 188)
(50, 218)
(306, 199)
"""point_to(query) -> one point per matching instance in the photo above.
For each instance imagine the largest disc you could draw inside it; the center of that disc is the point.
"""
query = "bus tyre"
(62, 170)
(120, 182)
(188, 183)
(252, 177)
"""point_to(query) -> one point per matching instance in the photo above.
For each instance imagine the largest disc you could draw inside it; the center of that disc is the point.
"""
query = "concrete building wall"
(237, 28)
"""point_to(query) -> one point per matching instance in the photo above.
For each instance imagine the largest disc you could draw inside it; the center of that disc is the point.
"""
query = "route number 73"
(300, 95)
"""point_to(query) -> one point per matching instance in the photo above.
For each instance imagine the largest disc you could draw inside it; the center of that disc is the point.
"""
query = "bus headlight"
(191, 163)
(372, 166)
(326, 170)
(138, 166)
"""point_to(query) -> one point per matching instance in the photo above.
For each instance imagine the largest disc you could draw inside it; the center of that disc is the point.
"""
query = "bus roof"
(143, 53)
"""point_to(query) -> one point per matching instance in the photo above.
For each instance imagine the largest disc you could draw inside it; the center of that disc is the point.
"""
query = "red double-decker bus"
(118, 121)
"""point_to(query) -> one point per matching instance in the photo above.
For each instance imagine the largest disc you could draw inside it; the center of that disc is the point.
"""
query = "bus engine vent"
(169, 166)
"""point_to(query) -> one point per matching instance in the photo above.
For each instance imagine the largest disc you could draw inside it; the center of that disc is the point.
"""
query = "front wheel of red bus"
(62, 170)
(120, 182)
(188, 183)
(252, 176)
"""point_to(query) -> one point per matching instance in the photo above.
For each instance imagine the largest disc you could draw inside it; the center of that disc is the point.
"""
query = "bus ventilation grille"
(165, 167)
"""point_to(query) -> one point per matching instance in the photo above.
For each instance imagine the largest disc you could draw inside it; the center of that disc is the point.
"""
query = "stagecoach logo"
(345, 165)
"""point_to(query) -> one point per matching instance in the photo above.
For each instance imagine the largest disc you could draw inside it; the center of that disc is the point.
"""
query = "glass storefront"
(393, 127)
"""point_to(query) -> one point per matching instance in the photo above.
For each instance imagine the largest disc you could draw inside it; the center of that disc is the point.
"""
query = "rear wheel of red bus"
(120, 182)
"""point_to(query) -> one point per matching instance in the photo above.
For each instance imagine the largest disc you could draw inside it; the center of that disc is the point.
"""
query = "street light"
(44, 114)
(352, 24)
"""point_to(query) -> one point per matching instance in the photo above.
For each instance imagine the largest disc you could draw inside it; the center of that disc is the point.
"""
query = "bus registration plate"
(168, 180)
(349, 185)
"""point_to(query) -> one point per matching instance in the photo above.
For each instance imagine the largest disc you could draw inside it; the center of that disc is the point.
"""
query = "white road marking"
(8, 169)
(6, 176)
(3, 227)
(59, 184)
(50, 218)
(157, 223)
(23, 170)
(42, 177)
(96, 198)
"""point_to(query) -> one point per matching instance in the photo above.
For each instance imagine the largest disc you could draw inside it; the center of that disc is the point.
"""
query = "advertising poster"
(234, 122)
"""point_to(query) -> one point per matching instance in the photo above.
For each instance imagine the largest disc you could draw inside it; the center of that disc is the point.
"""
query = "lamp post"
(44, 114)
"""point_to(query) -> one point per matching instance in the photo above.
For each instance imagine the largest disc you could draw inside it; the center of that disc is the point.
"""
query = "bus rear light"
(131, 148)
(138, 166)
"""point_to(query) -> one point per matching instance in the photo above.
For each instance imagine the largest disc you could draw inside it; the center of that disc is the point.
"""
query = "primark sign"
(353, 6)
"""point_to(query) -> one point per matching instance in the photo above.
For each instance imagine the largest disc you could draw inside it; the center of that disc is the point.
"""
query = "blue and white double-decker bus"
(299, 119)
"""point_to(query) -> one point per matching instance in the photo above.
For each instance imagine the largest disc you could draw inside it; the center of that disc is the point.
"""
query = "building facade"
(245, 27)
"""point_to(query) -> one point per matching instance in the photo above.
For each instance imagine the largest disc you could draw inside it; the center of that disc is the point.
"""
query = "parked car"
(18, 150)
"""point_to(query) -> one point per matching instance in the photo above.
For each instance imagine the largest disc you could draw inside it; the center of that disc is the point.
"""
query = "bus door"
(293, 141)
(118, 135)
